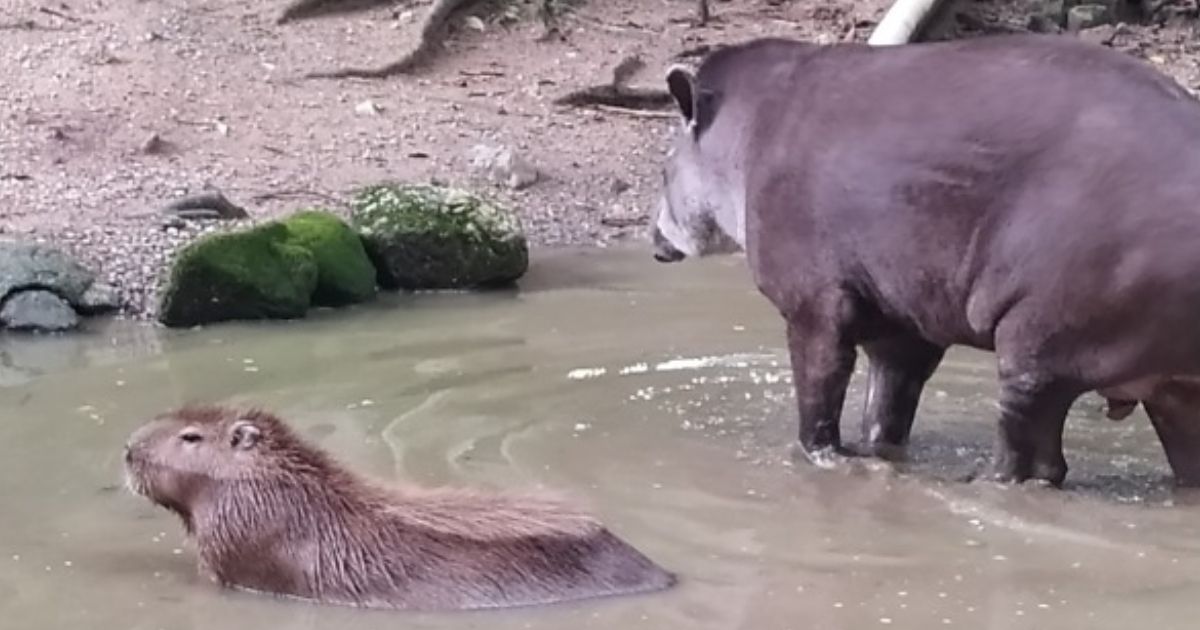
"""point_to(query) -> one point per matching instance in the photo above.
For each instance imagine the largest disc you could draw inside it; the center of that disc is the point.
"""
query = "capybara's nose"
(664, 251)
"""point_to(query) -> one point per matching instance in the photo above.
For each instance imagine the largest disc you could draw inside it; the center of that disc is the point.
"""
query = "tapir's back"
(974, 170)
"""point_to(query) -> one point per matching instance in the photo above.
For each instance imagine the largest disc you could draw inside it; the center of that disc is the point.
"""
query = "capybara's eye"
(191, 437)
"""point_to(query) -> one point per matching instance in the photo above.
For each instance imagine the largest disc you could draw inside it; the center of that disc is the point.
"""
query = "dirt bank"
(88, 83)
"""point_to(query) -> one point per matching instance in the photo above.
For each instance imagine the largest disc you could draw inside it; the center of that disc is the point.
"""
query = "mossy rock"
(253, 274)
(345, 274)
(432, 237)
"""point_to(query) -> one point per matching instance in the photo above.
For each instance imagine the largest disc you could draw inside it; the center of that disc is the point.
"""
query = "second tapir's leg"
(899, 368)
(822, 356)
(1174, 410)
(1033, 411)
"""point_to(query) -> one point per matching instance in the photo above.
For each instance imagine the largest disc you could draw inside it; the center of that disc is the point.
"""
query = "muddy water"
(660, 396)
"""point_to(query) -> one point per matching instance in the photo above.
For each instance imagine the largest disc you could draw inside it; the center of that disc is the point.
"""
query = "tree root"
(432, 28)
(210, 204)
(303, 9)
(618, 96)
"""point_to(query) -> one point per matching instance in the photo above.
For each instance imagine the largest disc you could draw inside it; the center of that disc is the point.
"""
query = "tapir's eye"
(191, 437)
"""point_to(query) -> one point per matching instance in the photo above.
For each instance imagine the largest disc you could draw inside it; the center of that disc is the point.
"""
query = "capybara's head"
(179, 457)
(699, 211)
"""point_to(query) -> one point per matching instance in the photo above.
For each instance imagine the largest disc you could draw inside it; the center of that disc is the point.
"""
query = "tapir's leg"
(1174, 411)
(899, 367)
(822, 357)
(1032, 414)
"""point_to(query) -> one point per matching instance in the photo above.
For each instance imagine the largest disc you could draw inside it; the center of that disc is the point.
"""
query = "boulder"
(434, 237)
(99, 298)
(38, 310)
(252, 274)
(345, 274)
(502, 165)
(1086, 16)
(28, 266)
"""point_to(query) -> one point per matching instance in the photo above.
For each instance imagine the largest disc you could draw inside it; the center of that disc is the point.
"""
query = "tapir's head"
(698, 213)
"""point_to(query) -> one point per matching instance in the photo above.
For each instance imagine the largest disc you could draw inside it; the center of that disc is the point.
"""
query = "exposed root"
(210, 204)
(302, 9)
(618, 96)
(432, 29)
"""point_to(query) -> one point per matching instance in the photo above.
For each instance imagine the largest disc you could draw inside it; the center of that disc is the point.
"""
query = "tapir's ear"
(681, 83)
(244, 435)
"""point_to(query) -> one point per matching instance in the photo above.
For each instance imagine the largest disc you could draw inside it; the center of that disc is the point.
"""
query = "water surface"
(658, 395)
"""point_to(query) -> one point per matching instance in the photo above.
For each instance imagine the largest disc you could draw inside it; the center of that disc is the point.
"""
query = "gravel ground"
(89, 82)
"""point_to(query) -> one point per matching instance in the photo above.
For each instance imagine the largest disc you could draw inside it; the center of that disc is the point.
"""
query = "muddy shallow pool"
(660, 396)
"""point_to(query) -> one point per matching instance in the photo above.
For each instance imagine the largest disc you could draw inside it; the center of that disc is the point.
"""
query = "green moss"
(254, 274)
(432, 237)
(345, 274)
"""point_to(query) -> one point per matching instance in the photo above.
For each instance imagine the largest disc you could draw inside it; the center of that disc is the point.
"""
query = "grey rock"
(25, 265)
(99, 298)
(1085, 16)
(154, 145)
(37, 309)
(34, 267)
(503, 165)
(1103, 34)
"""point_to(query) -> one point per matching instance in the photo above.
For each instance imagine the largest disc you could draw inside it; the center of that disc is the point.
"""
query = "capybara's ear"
(244, 435)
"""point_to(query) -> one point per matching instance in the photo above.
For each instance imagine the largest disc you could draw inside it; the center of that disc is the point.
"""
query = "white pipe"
(902, 22)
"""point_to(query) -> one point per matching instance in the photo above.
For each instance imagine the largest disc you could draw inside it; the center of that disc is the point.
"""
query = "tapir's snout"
(664, 251)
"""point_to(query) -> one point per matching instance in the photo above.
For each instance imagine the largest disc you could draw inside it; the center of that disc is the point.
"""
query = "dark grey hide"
(1035, 196)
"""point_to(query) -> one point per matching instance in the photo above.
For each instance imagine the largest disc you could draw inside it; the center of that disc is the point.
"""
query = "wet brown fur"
(277, 515)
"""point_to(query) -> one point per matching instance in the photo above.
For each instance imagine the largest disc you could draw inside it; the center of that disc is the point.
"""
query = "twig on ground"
(636, 113)
(481, 73)
(629, 28)
(59, 14)
(432, 32)
(19, 25)
(297, 192)
(624, 222)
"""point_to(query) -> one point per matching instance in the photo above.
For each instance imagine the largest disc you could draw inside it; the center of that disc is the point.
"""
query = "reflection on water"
(658, 395)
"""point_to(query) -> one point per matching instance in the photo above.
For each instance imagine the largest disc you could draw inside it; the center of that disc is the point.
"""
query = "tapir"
(1034, 196)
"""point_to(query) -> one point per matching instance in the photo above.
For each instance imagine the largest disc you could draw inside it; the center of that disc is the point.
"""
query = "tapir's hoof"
(824, 457)
(1007, 476)
(1046, 474)
(887, 451)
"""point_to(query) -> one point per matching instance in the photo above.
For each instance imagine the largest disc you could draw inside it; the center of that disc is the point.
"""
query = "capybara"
(271, 513)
